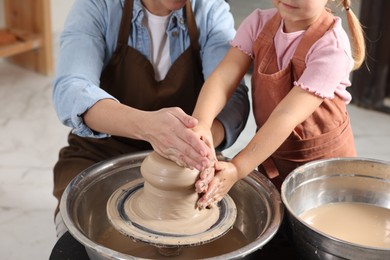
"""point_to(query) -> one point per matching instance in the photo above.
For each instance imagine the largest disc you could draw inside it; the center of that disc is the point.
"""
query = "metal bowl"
(321, 182)
(83, 208)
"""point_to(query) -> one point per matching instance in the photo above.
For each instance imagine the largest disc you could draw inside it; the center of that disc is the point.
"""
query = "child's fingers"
(200, 186)
(208, 197)
(218, 165)
(205, 178)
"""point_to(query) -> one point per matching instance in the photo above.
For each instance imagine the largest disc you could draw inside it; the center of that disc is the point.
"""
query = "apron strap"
(193, 33)
(192, 28)
(266, 36)
(270, 28)
(316, 31)
(125, 27)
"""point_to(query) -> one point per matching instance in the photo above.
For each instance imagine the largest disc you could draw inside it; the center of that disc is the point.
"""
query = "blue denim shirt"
(89, 40)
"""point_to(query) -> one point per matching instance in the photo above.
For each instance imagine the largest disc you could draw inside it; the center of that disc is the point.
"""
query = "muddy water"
(358, 223)
(231, 241)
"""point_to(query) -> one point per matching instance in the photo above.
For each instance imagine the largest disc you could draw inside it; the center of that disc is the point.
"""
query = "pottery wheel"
(161, 209)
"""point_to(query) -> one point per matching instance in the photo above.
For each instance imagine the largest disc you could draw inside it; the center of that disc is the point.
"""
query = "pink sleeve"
(249, 30)
(328, 67)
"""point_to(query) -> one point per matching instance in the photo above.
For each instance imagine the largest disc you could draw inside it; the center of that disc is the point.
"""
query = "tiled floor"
(32, 135)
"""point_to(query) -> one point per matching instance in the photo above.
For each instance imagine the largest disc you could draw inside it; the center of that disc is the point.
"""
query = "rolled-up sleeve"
(234, 115)
(79, 65)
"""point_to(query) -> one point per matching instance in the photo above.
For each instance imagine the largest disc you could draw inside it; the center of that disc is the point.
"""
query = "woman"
(129, 73)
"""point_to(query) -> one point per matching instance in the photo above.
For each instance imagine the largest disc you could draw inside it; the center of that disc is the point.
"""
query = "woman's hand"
(168, 130)
(226, 176)
(171, 133)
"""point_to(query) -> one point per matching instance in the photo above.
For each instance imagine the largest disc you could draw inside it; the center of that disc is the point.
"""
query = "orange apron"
(326, 133)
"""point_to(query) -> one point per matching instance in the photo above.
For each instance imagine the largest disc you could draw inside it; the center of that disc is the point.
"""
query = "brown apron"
(326, 133)
(129, 76)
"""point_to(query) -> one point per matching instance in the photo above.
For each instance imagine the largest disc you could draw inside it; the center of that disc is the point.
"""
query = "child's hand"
(225, 176)
(207, 173)
(205, 178)
(205, 135)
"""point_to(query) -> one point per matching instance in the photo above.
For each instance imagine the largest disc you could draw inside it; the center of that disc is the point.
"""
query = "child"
(302, 60)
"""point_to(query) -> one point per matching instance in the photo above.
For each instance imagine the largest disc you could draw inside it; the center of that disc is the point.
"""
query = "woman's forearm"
(113, 118)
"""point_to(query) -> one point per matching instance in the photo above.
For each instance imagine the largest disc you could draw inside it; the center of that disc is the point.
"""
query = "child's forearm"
(210, 102)
(296, 107)
(263, 144)
(220, 85)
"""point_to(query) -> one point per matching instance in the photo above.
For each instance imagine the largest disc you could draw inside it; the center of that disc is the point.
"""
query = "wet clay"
(167, 203)
(359, 223)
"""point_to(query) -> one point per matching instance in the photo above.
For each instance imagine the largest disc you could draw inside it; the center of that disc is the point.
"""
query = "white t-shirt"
(159, 42)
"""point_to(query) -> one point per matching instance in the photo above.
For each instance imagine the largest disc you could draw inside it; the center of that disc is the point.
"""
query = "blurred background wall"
(371, 82)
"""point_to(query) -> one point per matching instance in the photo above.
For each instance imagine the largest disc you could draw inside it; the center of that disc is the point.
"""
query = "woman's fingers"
(170, 134)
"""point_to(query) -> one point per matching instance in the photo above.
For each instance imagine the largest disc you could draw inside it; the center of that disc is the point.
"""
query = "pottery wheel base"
(126, 220)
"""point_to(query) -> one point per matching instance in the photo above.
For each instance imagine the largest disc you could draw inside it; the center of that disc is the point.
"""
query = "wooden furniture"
(27, 38)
